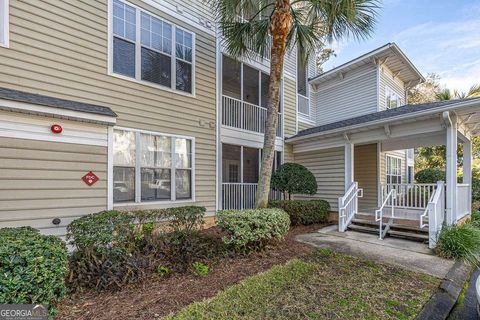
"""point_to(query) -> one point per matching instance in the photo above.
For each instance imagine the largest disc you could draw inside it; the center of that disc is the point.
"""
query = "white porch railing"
(348, 206)
(463, 200)
(242, 195)
(303, 105)
(247, 116)
(390, 201)
(435, 212)
(410, 196)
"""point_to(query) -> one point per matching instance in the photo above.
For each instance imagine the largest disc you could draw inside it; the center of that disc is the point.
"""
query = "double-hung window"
(4, 23)
(150, 49)
(151, 167)
(392, 99)
(394, 170)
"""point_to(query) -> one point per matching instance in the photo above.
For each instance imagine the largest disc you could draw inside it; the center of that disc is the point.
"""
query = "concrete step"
(408, 235)
(364, 229)
(359, 221)
(400, 227)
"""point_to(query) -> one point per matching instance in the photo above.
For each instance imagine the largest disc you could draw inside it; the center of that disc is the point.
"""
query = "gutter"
(387, 120)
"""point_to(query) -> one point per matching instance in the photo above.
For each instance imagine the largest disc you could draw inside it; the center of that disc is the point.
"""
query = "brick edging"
(442, 302)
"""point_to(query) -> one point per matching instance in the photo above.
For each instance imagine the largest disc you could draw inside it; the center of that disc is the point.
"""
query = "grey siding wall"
(41, 180)
(395, 84)
(365, 171)
(328, 166)
(59, 48)
(354, 95)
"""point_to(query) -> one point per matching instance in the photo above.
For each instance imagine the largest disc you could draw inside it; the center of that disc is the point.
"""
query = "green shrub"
(200, 269)
(293, 178)
(163, 271)
(252, 229)
(304, 212)
(430, 175)
(32, 267)
(114, 248)
(460, 242)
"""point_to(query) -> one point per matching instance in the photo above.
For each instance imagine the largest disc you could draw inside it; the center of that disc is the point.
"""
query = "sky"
(439, 36)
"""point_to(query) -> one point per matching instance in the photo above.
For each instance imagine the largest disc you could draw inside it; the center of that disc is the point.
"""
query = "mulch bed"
(155, 297)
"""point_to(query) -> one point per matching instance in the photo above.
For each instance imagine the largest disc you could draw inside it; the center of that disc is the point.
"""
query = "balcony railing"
(410, 196)
(303, 105)
(242, 195)
(246, 116)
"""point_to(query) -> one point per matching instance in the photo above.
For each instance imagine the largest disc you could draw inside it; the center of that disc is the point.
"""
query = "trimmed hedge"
(293, 178)
(430, 175)
(114, 248)
(32, 268)
(252, 229)
(304, 212)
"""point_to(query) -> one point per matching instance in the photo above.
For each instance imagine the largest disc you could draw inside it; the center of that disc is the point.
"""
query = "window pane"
(301, 76)
(250, 165)
(184, 76)
(231, 78)
(156, 184)
(183, 157)
(124, 20)
(183, 182)
(123, 57)
(231, 163)
(250, 85)
(123, 148)
(156, 67)
(148, 150)
(123, 184)
(164, 152)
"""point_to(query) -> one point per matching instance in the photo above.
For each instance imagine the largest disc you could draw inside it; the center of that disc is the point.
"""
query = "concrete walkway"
(407, 254)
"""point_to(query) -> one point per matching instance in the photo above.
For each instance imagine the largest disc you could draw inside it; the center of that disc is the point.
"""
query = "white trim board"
(5, 24)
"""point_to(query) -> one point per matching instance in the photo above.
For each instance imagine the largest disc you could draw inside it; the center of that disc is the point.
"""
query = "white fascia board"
(23, 107)
(408, 116)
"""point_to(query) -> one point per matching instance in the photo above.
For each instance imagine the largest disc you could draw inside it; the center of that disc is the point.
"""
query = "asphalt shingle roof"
(38, 99)
(381, 115)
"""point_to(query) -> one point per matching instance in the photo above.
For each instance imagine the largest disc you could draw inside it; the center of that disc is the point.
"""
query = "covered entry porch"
(448, 123)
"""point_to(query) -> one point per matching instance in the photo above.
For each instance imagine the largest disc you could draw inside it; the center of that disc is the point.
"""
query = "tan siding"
(41, 180)
(304, 125)
(353, 96)
(59, 48)
(289, 107)
(366, 174)
(288, 153)
(328, 166)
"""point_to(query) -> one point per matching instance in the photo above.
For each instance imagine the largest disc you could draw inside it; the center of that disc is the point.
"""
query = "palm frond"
(474, 91)
(444, 95)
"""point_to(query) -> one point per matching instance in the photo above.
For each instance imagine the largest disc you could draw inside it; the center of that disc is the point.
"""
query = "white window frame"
(302, 115)
(138, 46)
(393, 96)
(388, 165)
(4, 24)
(138, 195)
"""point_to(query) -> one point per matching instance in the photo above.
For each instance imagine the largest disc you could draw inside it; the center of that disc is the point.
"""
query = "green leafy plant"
(304, 212)
(430, 175)
(200, 269)
(460, 242)
(32, 268)
(252, 229)
(163, 271)
(293, 178)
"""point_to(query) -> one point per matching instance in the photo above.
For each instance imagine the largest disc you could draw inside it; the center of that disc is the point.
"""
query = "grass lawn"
(323, 285)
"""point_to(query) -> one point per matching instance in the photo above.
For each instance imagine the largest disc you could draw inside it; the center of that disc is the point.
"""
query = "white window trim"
(392, 92)
(137, 78)
(111, 204)
(5, 20)
(387, 158)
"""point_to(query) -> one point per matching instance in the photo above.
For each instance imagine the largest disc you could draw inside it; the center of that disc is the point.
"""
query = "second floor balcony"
(244, 97)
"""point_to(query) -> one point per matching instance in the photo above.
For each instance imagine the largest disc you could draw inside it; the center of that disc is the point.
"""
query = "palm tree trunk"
(279, 29)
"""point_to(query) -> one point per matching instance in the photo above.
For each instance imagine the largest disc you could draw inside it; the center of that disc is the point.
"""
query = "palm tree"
(447, 94)
(255, 27)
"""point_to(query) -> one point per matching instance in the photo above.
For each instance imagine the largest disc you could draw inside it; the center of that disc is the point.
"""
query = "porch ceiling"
(404, 127)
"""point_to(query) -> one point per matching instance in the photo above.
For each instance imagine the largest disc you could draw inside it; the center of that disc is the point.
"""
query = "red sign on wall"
(90, 178)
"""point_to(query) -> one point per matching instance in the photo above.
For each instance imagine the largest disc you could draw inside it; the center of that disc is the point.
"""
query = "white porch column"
(349, 164)
(467, 170)
(451, 173)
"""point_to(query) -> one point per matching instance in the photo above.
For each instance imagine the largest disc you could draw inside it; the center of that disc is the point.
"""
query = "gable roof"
(390, 55)
(37, 99)
(381, 116)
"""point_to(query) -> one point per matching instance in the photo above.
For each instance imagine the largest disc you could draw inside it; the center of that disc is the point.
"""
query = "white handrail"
(348, 206)
(427, 209)
(392, 194)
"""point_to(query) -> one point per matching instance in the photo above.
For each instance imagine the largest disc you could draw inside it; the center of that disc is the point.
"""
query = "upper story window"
(392, 100)
(394, 170)
(151, 167)
(4, 33)
(147, 48)
(303, 99)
